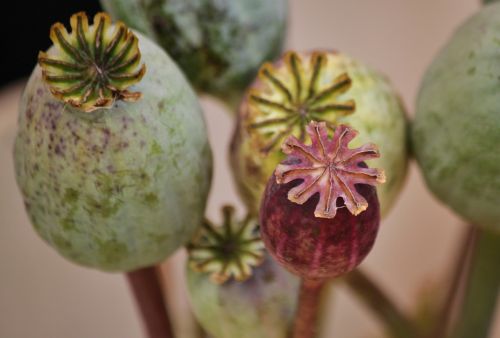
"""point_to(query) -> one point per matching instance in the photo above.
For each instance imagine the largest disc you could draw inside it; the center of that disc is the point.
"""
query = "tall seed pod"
(113, 161)
(320, 86)
(320, 212)
(218, 44)
(456, 141)
(235, 289)
(456, 131)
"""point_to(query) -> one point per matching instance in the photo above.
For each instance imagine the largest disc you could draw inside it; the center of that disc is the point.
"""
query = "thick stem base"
(482, 288)
(146, 287)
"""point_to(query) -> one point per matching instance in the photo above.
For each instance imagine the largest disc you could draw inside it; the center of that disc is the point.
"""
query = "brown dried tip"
(330, 168)
(92, 67)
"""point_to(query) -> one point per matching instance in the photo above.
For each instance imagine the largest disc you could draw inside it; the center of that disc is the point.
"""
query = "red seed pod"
(320, 212)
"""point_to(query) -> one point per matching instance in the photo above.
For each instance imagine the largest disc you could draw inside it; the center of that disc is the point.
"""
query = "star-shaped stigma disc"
(92, 66)
(226, 251)
(299, 88)
(328, 167)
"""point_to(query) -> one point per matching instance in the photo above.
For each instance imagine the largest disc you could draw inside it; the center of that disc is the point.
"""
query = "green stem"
(460, 270)
(481, 289)
(382, 306)
(485, 2)
(306, 318)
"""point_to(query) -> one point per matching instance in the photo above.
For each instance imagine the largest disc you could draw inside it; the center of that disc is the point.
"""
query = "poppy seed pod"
(111, 153)
(456, 130)
(320, 212)
(322, 86)
(235, 288)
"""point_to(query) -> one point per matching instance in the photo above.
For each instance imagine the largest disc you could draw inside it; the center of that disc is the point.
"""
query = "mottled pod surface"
(262, 306)
(117, 188)
(313, 247)
(456, 132)
(321, 86)
(219, 44)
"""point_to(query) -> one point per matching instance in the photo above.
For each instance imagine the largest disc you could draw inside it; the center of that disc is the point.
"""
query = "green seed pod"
(113, 161)
(456, 132)
(320, 86)
(247, 294)
(218, 44)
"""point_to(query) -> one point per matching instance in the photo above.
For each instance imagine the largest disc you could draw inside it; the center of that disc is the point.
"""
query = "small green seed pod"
(235, 289)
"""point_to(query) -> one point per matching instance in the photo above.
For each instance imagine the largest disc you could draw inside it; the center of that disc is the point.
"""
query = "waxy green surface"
(456, 132)
(262, 306)
(218, 44)
(119, 188)
(379, 117)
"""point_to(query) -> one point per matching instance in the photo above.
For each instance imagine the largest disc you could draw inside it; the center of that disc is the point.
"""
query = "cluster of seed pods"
(114, 164)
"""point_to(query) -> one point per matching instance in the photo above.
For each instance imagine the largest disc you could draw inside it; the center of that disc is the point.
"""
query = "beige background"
(42, 295)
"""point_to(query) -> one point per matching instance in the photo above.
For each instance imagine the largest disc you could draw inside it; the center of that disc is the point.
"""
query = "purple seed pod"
(320, 212)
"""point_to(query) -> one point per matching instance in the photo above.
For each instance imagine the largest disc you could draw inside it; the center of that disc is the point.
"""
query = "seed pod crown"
(92, 66)
(330, 168)
(290, 95)
(226, 251)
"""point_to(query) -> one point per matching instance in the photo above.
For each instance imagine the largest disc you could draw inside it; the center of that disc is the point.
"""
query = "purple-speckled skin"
(263, 306)
(119, 188)
(311, 247)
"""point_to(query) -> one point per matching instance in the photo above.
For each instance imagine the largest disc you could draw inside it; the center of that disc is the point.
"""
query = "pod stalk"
(306, 319)
(145, 285)
(482, 288)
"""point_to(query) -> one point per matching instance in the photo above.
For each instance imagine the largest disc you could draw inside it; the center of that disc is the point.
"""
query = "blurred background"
(42, 295)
